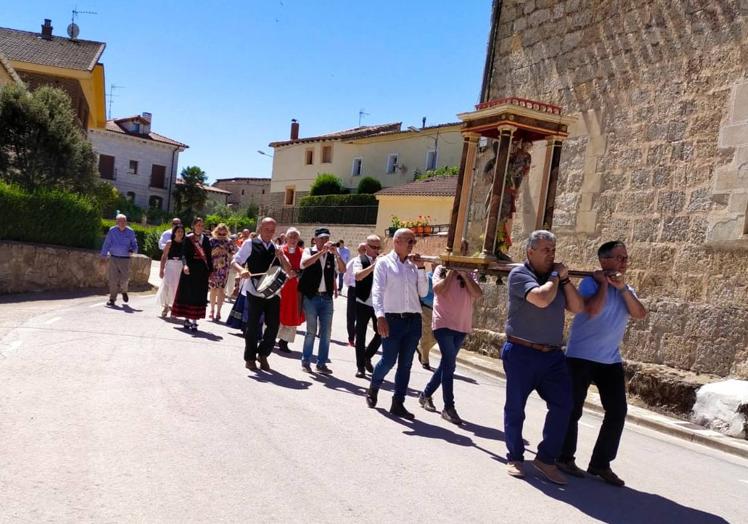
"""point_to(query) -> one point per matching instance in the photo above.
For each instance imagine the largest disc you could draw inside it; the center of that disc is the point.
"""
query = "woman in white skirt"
(171, 269)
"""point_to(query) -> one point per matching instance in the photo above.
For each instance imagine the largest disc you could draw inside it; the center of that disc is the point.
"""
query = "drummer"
(260, 255)
(320, 264)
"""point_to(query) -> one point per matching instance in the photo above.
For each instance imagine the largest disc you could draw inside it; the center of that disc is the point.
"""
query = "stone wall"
(657, 159)
(29, 268)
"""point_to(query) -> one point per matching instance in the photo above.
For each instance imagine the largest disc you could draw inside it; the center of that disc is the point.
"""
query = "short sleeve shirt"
(597, 338)
(527, 321)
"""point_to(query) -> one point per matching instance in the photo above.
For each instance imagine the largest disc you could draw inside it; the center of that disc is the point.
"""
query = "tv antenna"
(361, 114)
(73, 29)
(111, 95)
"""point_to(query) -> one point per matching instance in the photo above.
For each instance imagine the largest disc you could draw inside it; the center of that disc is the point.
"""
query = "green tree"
(190, 197)
(326, 184)
(41, 143)
(440, 172)
(368, 186)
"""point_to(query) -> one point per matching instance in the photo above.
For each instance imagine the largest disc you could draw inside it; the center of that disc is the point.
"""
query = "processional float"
(504, 128)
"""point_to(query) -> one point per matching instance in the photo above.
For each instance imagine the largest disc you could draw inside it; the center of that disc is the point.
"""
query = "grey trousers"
(119, 276)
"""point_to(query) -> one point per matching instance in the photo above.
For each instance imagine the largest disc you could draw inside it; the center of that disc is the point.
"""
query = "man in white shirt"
(166, 235)
(345, 255)
(320, 264)
(399, 281)
(350, 307)
(363, 270)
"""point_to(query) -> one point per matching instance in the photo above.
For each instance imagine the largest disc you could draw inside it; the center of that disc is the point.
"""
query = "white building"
(141, 164)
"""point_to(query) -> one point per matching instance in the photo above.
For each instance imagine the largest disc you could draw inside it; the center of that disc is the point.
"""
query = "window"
(132, 169)
(430, 160)
(106, 167)
(391, 163)
(263, 191)
(357, 166)
(242, 192)
(158, 176)
(309, 157)
(326, 154)
(131, 197)
(155, 202)
(289, 197)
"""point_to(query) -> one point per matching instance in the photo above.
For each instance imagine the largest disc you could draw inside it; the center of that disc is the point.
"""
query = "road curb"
(639, 416)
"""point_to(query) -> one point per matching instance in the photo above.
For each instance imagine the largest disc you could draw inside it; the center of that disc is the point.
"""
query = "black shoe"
(371, 397)
(426, 403)
(187, 324)
(450, 415)
(283, 346)
(125, 298)
(110, 303)
(360, 374)
(570, 467)
(398, 409)
(368, 366)
(324, 369)
(193, 326)
(607, 475)
(306, 367)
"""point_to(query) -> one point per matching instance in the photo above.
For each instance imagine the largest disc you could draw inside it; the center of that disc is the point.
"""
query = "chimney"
(146, 128)
(423, 122)
(294, 129)
(47, 29)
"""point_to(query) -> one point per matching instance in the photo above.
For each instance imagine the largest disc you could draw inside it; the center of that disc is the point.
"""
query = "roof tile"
(25, 46)
(436, 186)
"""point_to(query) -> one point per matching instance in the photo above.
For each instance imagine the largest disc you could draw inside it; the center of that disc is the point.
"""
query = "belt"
(545, 348)
(117, 256)
(175, 258)
(402, 315)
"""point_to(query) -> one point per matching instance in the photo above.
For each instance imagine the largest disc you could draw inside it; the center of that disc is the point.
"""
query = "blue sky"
(227, 77)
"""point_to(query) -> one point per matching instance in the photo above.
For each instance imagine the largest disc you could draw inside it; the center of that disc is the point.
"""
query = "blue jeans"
(526, 370)
(399, 346)
(449, 345)
(318, 308)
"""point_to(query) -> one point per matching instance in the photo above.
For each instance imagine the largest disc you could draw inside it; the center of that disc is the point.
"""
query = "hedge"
(48, 217)
(338, 209)
(147, 236)
(338, 200)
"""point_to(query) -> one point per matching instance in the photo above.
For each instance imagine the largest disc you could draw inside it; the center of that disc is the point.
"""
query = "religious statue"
(517, 169)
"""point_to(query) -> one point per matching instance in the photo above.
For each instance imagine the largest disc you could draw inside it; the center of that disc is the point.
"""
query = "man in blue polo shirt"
(539, 291)
(119, 244)
(593, 356)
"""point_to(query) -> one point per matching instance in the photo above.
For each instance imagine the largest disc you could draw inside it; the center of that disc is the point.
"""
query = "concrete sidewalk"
(636, 415)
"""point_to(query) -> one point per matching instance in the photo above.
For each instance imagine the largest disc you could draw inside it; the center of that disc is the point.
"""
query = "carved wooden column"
(461, 205)
(547, 201)
(497, 190)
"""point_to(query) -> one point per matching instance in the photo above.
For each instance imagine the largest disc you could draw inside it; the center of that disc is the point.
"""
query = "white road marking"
(53, 320)
(586, 425)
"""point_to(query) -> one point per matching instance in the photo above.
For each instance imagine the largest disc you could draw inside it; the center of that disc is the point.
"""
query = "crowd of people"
(277, 285)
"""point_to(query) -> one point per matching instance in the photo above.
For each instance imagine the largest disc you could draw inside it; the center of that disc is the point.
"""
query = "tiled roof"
(419, 129)
(437, 186)
(347, 134)
(25, 46)
(243, 179)
(111, 125)
(207, 188)
(5, 64)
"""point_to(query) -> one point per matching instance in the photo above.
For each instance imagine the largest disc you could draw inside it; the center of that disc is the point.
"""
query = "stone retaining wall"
(26, 268)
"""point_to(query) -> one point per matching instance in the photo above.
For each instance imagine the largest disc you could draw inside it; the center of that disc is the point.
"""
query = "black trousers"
(350, 312)
(270, 307)
(365, 314)
(610, 382)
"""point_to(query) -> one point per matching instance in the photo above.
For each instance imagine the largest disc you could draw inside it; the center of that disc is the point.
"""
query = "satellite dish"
(73, 31)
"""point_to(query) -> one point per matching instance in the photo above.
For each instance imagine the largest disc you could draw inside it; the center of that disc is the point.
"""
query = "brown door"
(158, 176)
(106, 167)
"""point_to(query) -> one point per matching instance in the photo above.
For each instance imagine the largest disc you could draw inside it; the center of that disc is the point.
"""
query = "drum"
(272, 282)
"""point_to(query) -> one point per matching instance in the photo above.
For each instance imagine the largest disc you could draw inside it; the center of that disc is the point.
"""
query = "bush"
(368, 186)
(338, 209)
(48, 217)
(326, 184)
(147, 236)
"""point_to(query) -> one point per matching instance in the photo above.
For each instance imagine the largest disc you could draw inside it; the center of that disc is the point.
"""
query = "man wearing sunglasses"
(593, 356)
(363, 271)
(399, 281)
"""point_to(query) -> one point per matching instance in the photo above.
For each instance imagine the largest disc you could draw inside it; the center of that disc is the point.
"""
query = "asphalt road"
(115, 415)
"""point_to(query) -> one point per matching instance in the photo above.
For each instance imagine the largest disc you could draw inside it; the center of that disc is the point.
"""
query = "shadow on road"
(465, 379)
(199, 334)
(338, 384)
(126, 308)
(618, 505)
(279, 379)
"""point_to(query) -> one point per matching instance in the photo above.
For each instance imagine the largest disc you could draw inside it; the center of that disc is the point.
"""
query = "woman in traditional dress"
(291, 315)
(171, 269)
(222, 250)
(192, 295)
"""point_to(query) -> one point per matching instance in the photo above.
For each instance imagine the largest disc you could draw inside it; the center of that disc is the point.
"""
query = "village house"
(246, 191)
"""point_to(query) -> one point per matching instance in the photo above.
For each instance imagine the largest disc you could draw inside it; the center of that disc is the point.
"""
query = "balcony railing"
(327, 215)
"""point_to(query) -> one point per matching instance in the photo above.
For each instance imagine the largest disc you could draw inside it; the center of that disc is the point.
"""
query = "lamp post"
(435, 139)
(263, 153)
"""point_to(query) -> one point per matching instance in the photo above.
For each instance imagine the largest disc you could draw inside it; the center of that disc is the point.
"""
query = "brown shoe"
(251, 365)
(550, 472)
(570, 467)
(263, 363)
(607, 475)
(516, 469)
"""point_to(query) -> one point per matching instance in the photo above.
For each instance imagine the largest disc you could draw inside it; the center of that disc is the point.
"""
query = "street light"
(435, 139)
(264, 153)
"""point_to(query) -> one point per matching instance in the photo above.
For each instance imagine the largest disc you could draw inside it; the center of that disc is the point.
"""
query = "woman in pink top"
(454, 295)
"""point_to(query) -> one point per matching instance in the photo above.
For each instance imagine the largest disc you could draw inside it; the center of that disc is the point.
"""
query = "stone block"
(646, 230)
(738, 203)
(641, 179)
(586, 222)
(662, 177)
(739, 103)
(529, 6)
(700, 200)
(539, 16)
(675, 229)
(670, 202)
(640, 203)
(733, 135)
(724, 230)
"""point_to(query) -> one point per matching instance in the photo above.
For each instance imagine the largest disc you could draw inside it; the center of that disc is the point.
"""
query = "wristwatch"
(554, 274)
